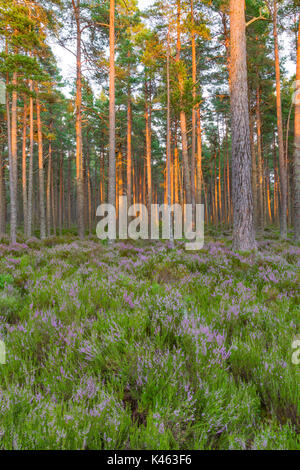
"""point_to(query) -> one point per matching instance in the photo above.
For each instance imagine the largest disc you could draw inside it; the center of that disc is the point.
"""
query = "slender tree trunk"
(41, 168)
(183, 125)
(12, 151)
(24, 167)
(69, 192)
(48, 190)
(79, 159)
(194, 110)
(253, 173)
(129, 117)
(112, 111)
(259, 163)
(169, 140)
(53, 200)
(243, 226)
(297, 146)
(30, 167)
(2, 195)
(148, 150)
(61, 192)
(282, 167)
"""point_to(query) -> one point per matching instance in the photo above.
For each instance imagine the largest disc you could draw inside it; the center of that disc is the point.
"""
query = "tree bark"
(79, 162)
(48, 190)
(41, 168)
(2, 195)
(30, 166)
(129, 125)
(112, 111)
(297, 146)
(259, 163)
(24, 167)
(12, 151)
(183, 125)
(169, 141)
(148, 150)
(282, 167)
(243, 226)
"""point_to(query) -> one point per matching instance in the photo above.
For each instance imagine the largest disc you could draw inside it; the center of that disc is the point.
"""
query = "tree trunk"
(129, 117)
(282, 167)
(2, 195)
(243, 226)
(194, 110)
(41, 168)
(112, 111)
(253, 173)
(48, 190)
(297, 146)
(30, 167)
(259, 163)
(79, 163)
(148, 150)
(183, 126)
(169, 142)
(13, 159)
(24, 167)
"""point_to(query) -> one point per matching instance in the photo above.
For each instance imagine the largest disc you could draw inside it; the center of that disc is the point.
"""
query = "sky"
(67, 65)
(66, 60)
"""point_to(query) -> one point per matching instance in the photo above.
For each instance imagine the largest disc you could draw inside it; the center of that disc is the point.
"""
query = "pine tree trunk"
(259, 163)
(30, 166)
(169, 141)
(48, 190)
(194, 110)
(282, 167)
(243, 226)
(129, 117)
(41, 169)
(2, 196)
(112, 111)
(24, 167)
(61, 192)
(183, 125)
(253, 174)
(297, 146)
(79, 160)
(148, 150)
(13, 148)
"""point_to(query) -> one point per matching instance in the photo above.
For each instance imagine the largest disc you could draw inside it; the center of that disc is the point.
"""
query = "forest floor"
(138, 346)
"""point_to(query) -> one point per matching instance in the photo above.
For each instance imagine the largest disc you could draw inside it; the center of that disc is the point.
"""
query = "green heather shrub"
(137, 346)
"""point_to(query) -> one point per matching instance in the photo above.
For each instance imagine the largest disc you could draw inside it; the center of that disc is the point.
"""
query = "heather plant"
(138, 346)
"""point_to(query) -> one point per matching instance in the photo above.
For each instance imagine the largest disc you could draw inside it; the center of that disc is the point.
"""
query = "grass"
(138, 346)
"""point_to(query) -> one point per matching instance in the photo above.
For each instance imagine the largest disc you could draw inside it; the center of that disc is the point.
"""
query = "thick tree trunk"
(243, 226)
(297, 146)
